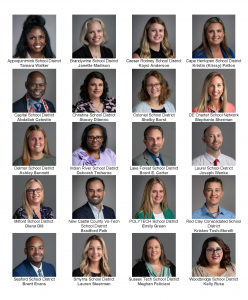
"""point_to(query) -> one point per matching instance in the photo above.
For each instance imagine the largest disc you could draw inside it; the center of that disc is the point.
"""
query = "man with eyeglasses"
(93, 209)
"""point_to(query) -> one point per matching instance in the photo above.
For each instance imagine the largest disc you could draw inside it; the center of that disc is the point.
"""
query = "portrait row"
(94, 91)
(95, 197)
(153, 36)
(96, 255)
(94, 144)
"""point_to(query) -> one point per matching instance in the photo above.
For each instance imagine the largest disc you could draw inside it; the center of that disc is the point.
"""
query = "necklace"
(97, 106)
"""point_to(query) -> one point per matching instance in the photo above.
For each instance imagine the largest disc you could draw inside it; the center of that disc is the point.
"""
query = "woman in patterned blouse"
(32, 202)
(94, 95)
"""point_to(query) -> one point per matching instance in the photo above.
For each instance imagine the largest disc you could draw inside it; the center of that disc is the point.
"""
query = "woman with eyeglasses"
(32, 202)
(154, 94)
(93, 151)
(215, 260)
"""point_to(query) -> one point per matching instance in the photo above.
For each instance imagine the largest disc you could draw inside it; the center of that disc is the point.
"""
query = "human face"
(36, 86)
(34, 198)
(214, 34)
(215, 88)
(94, 34)
(95, 251)
(95, 192)
(154, 141)
(36, 40)
(157, 193)
(36, 142)
(214, 258)
(94, 144)
(95, 88)
(153, 250)
(156, 33)
(213, 193)
(35, 251)
(153, 87)
(213, 138)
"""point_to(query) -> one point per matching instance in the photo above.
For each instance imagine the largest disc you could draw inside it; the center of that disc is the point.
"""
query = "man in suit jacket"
(33, 265)
(33, 102)
(154, 140)
(93, 209)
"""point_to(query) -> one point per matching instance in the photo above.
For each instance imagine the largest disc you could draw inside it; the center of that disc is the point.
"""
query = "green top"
(165, 272)
(167, 215)
(46, 160)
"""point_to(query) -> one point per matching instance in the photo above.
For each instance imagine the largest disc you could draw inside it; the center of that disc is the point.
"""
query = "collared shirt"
(33, 102)
(97, 214)
(154, 158)
(37, 269)
(208, 160)
(203, 213)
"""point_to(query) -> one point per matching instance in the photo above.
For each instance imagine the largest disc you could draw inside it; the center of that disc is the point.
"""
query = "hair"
(26, 151)
(226, 259)
(205, 130)
(205, 46)
(152, 127)
(33, 21)
(213, 179)
(165, 262)
(147, 203)
(84, 31)
(84, 87)
(25, 203)
(165, 91)
(94, 179)
(144, 42)
(34, 236)
(84, 265)
(204, 101)
(85, 135)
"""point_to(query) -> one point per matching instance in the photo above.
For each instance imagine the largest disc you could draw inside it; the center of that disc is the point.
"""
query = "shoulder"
(139, 270)
(109, 105)
(169, 213)
(108, 208)
(109, 152)
(199, 271)
(141, 107)
(80, 53)
(77, 273)
(229, 161)
(169, 107)
(228, 214)
(50, 106)
(18, 162)
(166, 160)
(199, 53)
(197, 214)
(49, 158)
(19, 105)
(232, 269)
(18, 269)
(231, 53)
(198, 161)
(108, 53)
(50, 267)
(79, 152)
(138, 51)
(138, 160)
(230, 107)
(140, 215)
(195, 109)
(46, 208)
(20, 214)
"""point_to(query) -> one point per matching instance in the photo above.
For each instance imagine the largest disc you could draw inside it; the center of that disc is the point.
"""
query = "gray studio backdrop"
(138, 186)
(78, 128)
(228, 199)
(199, 238)
(19, 240)
(20, 77)
(198, 78)
(169, 147)
(49, 184)
(109, 22)
(138, 76)
(78, 191)
(168, 240)
(139, 23)
(79, 75)
(18, 21)
(78, 241)
(19, 130)
(198, 22)
(228, 133)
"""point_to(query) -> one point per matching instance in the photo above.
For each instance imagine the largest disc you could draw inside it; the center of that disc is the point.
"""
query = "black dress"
(139, 270)
(78, 273)
(84, 52)
(155, 54)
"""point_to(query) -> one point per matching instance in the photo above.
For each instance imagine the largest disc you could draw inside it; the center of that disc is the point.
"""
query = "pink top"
(229, 109)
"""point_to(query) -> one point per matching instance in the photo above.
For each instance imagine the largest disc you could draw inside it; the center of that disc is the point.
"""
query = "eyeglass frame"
(32, 191)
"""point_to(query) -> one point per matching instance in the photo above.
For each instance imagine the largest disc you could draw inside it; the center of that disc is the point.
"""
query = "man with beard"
(213, 139)
(93, 209)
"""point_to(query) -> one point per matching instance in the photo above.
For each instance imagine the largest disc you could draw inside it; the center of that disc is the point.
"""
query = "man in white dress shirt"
(213, 139)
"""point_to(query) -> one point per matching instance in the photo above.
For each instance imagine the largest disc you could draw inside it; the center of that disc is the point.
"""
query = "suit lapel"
(88, 212)
(148, 158)
(30, 269)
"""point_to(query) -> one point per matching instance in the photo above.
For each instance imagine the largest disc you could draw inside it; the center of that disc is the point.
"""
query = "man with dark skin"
(33, 101)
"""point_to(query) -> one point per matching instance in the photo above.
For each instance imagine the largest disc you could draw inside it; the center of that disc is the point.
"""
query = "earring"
(221, 97)
(208, 97)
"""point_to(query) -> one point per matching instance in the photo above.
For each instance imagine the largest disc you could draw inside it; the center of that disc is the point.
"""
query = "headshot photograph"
(153, 91)
(34, 197)
(94, 36)
(33, 88)
(30, 144)
(93, 197)
(213, 36)
(154, 145)
(29, 250)
(94, 255)
(34, 36)
(154, 36)
(213, 91)
(97, 144)
(94, 91)
(154, 255)
(153, 197)
(213, 197)
(213, 255)
(210, 141)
